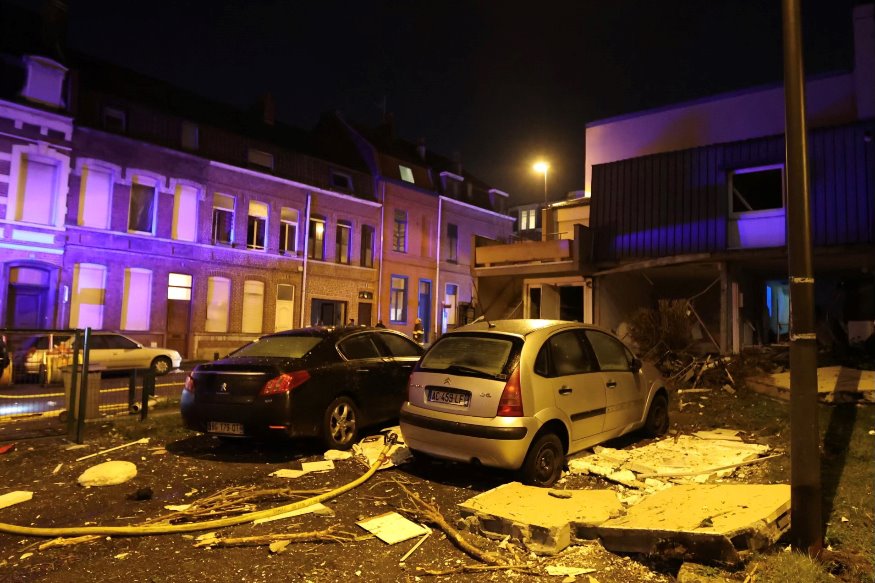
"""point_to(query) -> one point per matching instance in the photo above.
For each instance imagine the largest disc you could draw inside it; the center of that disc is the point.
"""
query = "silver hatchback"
(523, 394)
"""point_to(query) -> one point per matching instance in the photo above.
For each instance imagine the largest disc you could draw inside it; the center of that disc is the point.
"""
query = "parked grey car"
(523, 394)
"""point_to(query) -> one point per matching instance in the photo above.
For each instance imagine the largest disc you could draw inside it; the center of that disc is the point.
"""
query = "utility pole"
(805, 484)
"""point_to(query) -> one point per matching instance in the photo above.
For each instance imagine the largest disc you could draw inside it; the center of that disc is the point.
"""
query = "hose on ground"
(154, 529)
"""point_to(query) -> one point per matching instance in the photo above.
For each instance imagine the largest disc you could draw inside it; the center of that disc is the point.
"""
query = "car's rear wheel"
(161, 365)
(340, 426)
(656, 423)
(544, 462)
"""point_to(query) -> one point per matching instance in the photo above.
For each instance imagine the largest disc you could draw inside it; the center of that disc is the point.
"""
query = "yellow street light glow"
(541, 167)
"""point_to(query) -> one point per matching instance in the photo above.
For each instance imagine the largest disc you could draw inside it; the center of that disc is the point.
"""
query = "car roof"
(521, 327)
(335, 332)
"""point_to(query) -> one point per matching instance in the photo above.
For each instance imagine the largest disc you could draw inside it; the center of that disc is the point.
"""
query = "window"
(89, 291)
(141, 213)
(399, 346)
(528, 219)
(95, 197)
(114, 120)
(218, 302)
(399, 234)
(316, 244)
(260, 158)
(398, 299)
(564, 354)
(285, 303)
(35, 189)
(137, 299)
(190, 136)
(452, 243)
(359, 346)
(341, 180)
(179, 287)
(223, 219)
(288, 230)
(253, 307)
(256, 225)
(757, 189)
(610, 352)
(185, 213)
(367, 247)
(406, 174)
(342, 239)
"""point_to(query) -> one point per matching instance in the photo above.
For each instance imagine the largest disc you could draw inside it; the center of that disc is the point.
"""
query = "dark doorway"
(571, 303)
(534, 302)
(327, 313)
(364, 318)
(424, 311)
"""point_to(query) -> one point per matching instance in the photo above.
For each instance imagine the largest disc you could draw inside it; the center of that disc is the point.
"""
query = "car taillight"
(189, 384)
(511, 402)
(285, 383)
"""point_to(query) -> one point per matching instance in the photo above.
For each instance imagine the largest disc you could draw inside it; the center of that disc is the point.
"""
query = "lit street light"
(542, 167)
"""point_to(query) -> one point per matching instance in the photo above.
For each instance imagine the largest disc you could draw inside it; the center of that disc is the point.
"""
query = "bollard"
(132, 391)
(148, 391)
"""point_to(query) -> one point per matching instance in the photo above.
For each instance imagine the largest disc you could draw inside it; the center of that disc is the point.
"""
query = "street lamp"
(542, 167)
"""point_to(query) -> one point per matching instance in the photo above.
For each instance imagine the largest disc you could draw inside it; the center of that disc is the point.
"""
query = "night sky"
(500, 82)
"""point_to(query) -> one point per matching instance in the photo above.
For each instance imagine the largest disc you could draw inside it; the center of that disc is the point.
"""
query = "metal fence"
(41, 387)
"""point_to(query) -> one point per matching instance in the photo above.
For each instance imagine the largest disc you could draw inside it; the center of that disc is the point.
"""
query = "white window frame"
(149, 181)
(284, 314)
(286, 223)
(218, 304)
(136, 307)
(15, 206)
(94, 296)
(181, 213)
(343, 249)
(219, 196)
(89, 219)
(253, 307)
(259, 211)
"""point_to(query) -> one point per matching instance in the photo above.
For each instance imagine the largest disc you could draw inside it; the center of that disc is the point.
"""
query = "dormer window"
(406, 174)
(260, 158)
(114, 120)
(45, 81)
(341, 180)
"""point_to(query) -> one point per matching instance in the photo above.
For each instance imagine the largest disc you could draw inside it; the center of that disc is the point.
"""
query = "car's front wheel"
(544, 462)
(340, 426)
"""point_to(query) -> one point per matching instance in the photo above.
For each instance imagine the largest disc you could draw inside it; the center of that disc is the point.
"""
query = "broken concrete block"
(543, 523)
(108, 474)
(709, 523)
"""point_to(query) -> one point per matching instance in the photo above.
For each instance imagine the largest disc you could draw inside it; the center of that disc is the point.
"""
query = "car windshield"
(468, 354)
(284, 346)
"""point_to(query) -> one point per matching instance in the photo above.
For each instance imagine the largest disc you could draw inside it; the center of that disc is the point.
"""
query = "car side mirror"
(636, 364)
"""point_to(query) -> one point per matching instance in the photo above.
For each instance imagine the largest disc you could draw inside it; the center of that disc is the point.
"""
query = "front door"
(624, 387)
(26, 306)
(364, 318)
(178, 320)
(424, 311)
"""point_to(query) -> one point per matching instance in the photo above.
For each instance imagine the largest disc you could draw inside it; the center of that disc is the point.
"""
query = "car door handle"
(565, 390)
(611, 384)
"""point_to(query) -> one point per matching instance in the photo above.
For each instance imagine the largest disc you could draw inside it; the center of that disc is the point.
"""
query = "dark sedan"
(312, 382)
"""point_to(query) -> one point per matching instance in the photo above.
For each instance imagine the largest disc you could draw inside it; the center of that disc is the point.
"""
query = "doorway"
(364, 314)
(571, 303)
(424, 310)
(28, 297)
(178, 322)
(327, 313)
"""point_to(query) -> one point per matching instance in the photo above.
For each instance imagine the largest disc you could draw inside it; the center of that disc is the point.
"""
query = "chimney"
(268, 108)
(864, 59)
(420, 149)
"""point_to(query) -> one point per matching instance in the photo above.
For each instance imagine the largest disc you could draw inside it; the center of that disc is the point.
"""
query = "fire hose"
(145, 530)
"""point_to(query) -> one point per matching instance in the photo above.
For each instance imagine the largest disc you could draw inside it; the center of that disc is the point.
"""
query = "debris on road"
(416, 546)
(336, 455)
(103, 451)
(712, 522)
(392, 528)
(16, 497)
(330, 535)
(7, 448)
(321, 466)
(370, 447)
(286, 473)
(317, 508)
(684, 459)
(540, 521)
(108, 474)
(57, 468)
(559, 570)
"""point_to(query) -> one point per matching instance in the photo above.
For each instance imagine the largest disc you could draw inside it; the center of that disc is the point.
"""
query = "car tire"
(656, 423)
(544, 461)
(340, 425)
(161, 365)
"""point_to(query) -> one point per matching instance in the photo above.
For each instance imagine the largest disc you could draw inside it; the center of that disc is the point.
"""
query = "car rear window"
(284, 346)
(476, 354)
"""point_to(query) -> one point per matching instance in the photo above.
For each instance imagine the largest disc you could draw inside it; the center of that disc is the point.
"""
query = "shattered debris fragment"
(392, 528)
(108, 474)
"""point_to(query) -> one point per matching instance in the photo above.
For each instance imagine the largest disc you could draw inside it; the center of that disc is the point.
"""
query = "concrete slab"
(685, 459)
(710, 522)
(543, 520)
(835, 384)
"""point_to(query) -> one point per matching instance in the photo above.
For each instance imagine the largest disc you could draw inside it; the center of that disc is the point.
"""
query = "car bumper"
(500, 442)
(258, 418)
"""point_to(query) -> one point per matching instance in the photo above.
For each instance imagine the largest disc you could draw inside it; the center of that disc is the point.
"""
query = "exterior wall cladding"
(678, 203)
(148, 149)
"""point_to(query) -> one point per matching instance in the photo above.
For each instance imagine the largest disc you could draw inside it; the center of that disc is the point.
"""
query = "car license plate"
(448, 397)
(226, 428)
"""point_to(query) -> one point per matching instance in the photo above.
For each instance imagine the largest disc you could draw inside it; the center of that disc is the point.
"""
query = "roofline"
(476, 208)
